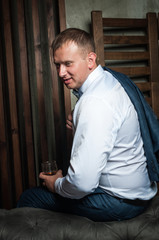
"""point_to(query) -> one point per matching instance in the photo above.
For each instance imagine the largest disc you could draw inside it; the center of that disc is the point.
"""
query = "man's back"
(117, 146)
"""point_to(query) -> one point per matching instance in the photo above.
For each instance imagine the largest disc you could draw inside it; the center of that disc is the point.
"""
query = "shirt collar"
(90, 79)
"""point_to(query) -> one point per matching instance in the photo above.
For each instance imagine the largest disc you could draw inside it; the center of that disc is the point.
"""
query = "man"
(107, 178)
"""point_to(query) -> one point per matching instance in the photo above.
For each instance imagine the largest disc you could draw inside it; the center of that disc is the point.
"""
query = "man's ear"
(91, 60)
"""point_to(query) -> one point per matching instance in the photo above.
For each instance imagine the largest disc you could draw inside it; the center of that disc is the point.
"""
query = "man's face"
(72, 65)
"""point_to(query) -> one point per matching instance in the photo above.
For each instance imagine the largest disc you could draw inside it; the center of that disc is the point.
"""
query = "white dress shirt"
(107, 150)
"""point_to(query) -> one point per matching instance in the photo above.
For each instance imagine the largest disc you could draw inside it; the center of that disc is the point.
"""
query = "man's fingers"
(70, 117)
(68, 126)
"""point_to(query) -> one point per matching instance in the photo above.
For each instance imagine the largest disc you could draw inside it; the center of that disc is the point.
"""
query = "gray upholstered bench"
(39, 224)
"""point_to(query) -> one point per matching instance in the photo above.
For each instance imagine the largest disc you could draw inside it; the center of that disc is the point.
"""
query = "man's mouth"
(67, 81)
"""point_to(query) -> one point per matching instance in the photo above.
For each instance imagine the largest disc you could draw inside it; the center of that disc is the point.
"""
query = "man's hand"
(69, 121)
(49, 181)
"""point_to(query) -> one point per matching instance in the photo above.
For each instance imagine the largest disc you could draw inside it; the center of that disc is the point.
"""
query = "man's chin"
(68, 86)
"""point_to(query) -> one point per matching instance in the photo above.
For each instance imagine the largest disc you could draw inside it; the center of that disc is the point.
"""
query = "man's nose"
(62, 71)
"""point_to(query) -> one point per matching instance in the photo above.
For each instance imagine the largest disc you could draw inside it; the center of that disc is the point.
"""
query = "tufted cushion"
(39, 224)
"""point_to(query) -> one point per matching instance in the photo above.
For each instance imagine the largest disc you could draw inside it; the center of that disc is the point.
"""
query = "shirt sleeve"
(95, 133)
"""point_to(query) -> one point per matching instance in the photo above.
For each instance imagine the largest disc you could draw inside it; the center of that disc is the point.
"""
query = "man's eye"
(68, 64)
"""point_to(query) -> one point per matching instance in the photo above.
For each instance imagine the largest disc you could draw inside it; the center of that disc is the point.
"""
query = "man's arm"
(92, 144)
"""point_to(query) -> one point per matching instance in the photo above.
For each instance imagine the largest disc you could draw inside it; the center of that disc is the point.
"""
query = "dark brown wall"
(32, 99)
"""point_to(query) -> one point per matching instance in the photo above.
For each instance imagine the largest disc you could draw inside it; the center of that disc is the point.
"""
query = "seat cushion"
(39, 224)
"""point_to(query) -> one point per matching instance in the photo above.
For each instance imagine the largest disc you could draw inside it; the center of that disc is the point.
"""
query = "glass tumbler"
(49, 168)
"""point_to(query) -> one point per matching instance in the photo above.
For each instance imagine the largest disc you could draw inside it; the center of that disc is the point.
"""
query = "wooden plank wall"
(32, 99)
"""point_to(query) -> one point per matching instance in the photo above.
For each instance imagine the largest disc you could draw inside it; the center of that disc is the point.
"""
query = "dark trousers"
(98, 206)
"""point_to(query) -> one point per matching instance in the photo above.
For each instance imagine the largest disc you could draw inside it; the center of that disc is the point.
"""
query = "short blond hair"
(80, 37)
